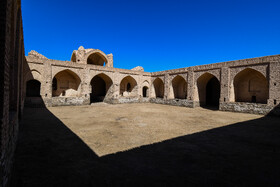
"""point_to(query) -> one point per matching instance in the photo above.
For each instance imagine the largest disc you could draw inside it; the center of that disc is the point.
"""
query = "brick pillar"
(274, 83)
(166, 86)
(191, 85)
(224, 96)
(46, 85)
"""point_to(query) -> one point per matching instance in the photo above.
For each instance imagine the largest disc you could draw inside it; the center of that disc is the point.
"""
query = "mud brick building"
(249, 85)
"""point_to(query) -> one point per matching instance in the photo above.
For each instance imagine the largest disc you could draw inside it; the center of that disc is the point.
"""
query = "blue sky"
(158, 35)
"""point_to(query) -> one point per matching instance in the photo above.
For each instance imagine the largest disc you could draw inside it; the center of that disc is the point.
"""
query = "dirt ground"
(146, 145)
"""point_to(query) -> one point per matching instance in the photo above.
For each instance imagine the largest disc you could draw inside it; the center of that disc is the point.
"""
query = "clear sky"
(155, 34)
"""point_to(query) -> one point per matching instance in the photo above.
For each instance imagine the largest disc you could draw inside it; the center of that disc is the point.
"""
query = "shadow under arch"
(128, 86)
(209, 89)
(100, 86)
(179, 86)
(66, 83)
(33, 88)
(158, 88)
(250, 86)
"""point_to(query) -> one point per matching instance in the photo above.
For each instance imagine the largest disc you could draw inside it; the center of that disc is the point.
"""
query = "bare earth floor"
(146, 145)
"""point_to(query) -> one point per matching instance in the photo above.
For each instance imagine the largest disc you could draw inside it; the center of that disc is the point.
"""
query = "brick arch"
(128, 86)
(66, 83)
(207, 89)
(101, 87)
(97, 53)
(249, 85)
(55, 71)
(33, 74)
(178, 88)
(158, 88)
(145, 88)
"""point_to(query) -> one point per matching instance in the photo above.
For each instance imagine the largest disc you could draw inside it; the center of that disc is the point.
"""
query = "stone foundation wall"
(66, 101)
(252, 108)
(173, 102)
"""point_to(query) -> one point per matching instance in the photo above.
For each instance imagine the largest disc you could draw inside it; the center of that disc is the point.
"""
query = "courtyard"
(145, 145)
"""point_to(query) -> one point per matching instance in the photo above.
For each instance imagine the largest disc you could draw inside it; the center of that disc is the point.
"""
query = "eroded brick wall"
(11, 97)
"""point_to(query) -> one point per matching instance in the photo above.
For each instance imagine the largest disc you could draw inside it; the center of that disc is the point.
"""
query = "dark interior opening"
(98, 86)
(213, 92)
(145, 91)
(33, 88)
(254, 99)
(128, 87)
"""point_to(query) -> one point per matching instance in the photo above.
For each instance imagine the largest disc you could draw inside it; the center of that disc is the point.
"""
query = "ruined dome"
(138, 68)
(35, 54)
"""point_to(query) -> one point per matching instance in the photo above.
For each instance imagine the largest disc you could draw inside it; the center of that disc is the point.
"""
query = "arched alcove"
(209, 89)
(66, 83)
(145, 91)
(250, 86)
(33, 88)
(158, 88)
(179, 87)
(100, 85)
(128, 86)
(97, 59)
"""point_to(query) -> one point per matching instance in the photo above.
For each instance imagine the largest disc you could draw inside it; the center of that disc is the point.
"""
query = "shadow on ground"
(241, 154)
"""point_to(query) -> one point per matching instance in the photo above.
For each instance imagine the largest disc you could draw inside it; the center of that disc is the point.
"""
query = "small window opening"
(254, 99)
(275, 102)
(224, 99)
(63, 93)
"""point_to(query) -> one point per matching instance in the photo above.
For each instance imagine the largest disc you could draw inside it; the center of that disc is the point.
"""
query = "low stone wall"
(67, 101)
(174, 102)
(252, 108)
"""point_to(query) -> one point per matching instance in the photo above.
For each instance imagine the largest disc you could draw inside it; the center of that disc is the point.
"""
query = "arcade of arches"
(222, 85)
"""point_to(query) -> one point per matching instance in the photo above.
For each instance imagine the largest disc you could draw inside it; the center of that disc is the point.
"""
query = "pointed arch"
(179, 88)
(145, 89)
(128, 86)
(67, 83)
(158, 86)
(33, 88)
(97, 58)
(250, 85)
(208, 90)
(101, 85)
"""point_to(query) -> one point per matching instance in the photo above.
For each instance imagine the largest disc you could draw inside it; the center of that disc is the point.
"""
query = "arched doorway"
(100, 84)
(33, 88)
(179, 86)
(66, 83)
(145, 91)
(209, 89)
(213, 92)
(128, 86)
(250, 86)
(159, 88)
(97, 59)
